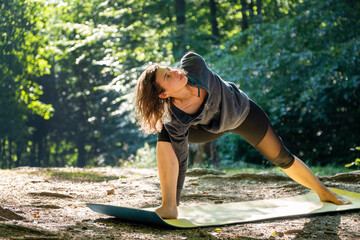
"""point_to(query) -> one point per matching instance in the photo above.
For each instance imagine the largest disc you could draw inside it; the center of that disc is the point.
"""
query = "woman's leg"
(258, 131)
(199, 135)
(300, 173)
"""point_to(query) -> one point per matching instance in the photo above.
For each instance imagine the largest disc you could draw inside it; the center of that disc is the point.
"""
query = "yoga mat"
(231, 213)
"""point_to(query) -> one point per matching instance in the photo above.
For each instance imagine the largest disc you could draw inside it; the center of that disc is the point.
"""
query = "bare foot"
(167, 212)
(330, 196)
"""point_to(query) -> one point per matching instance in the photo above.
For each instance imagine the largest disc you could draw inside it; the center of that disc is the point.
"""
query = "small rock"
(48, 206)
(6, 214)
(50, 194)
(294, 231)
(330, 231)
(203, 171)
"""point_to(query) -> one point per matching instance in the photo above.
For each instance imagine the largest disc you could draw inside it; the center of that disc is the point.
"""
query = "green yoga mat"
(232, 213)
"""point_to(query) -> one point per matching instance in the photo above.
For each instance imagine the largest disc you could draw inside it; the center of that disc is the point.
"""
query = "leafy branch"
(357, 160)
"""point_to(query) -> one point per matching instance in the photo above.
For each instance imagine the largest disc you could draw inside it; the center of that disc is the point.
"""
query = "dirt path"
(41, 203)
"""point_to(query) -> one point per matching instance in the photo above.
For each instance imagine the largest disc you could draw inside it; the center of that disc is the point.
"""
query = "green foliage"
(145, 157)
(22, 62)
(23, 52)
(303, 70)
(357, 160)
(68, 69)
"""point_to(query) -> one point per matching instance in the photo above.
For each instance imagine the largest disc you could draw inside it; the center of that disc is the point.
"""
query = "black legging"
(256, 130)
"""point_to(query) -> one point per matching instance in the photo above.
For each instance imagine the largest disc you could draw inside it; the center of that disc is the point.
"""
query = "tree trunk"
(205, 151)
(56, 155)
(259, 8)
(40, 152)
(32, 162)
(213, 21)
(19, 150)
(3, 160)
(251, 9)
(179, 48)
(244, 23)
(46, 155)
(81, 159)
(10, 159)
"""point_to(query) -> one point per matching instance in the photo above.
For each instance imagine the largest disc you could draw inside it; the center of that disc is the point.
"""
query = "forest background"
(68, 70)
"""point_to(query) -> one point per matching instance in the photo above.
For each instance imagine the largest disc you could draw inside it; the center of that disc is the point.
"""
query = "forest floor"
(39, 203)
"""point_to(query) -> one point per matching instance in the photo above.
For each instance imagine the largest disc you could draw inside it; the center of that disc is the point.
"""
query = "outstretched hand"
(330, 196)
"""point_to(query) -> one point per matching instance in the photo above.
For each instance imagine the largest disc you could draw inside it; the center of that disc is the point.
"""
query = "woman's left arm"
(300, 173)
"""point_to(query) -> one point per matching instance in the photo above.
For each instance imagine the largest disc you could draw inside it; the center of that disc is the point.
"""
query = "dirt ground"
(37, 203)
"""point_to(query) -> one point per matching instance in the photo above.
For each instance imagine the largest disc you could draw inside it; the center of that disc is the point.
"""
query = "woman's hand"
(330, 196)
(167, 212)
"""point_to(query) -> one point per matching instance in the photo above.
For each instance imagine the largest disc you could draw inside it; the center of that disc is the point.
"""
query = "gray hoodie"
(225, 108)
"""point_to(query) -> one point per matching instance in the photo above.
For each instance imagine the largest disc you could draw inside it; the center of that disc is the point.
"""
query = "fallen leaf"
(280, 234)
(110, 191)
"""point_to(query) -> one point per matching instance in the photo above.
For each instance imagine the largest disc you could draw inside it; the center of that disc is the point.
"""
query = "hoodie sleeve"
(191, 59)
(195, 67)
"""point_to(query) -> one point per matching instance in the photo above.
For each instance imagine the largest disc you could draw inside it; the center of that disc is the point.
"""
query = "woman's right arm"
(168, 168)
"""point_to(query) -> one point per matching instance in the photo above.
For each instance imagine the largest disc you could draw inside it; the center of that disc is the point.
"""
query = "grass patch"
(330, 170)
(317, 170)
(243, 167)
(252, 170)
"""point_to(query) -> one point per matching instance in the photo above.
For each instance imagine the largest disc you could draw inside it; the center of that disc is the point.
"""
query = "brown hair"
(151, 109)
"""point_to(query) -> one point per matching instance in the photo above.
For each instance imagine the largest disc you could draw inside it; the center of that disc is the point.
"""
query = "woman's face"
(171, 80)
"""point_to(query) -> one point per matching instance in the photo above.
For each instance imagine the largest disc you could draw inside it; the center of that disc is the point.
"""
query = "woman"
(193, 104)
